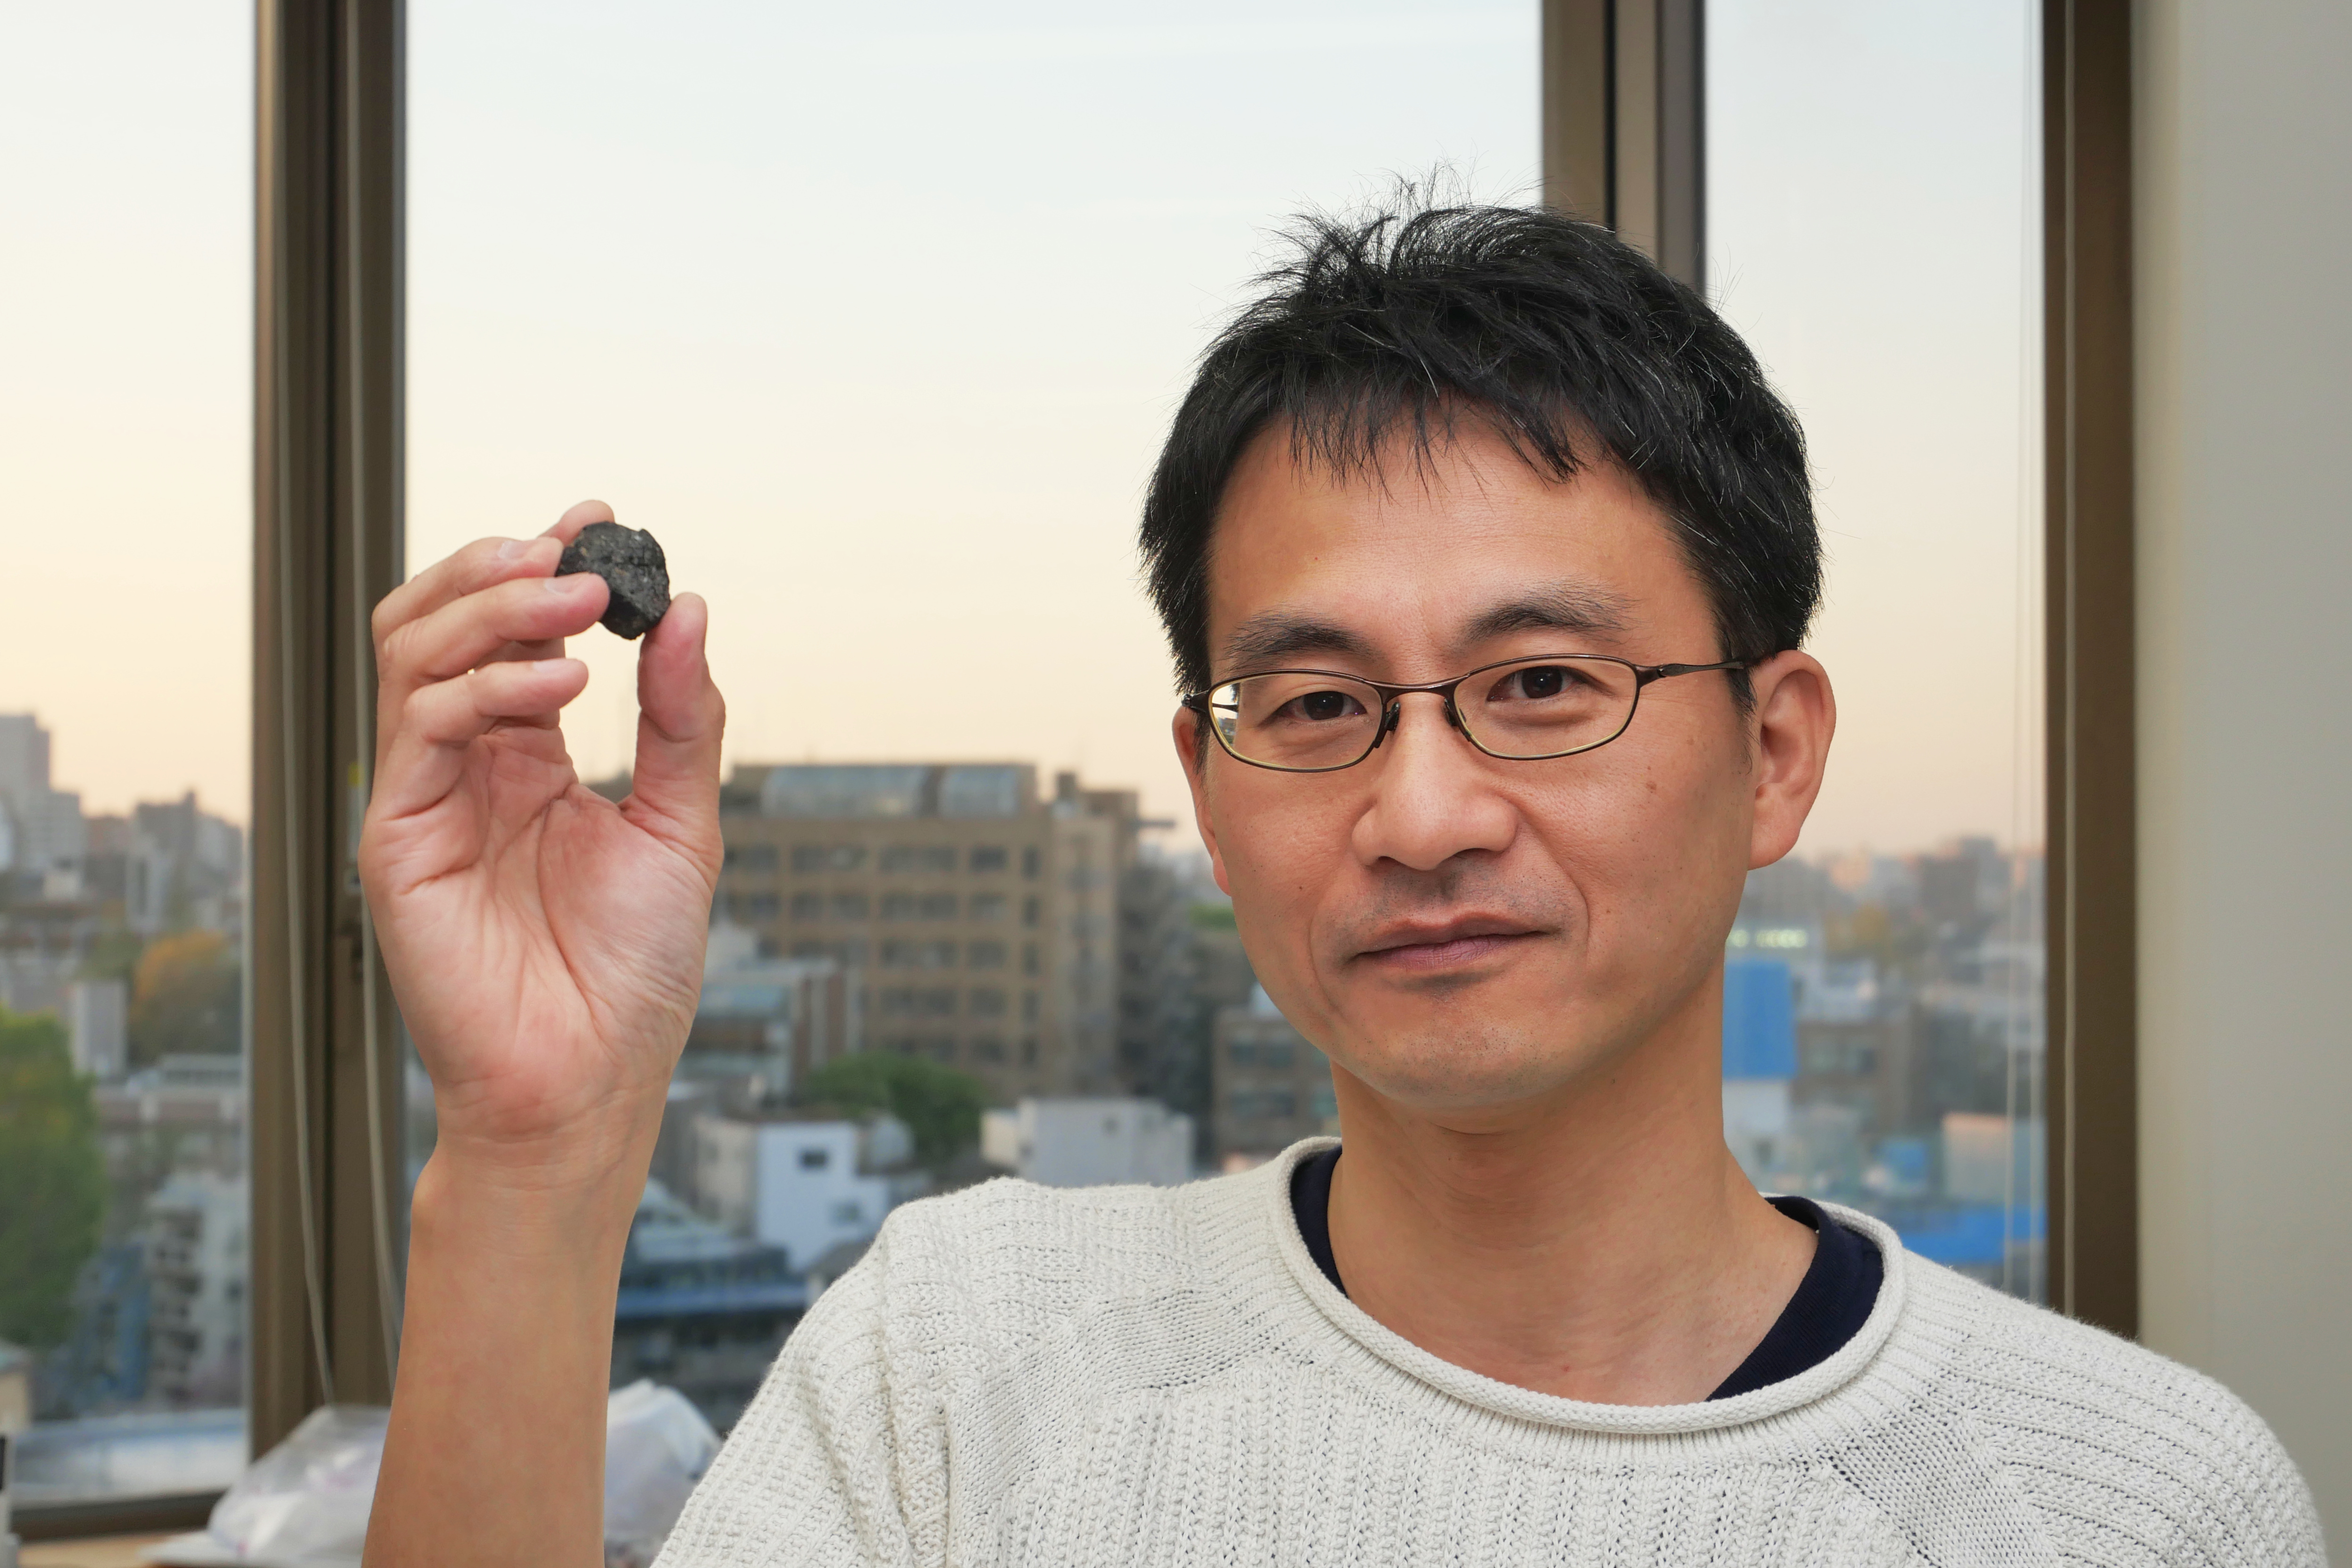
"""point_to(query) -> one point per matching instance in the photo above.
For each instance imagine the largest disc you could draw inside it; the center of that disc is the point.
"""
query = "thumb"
(681, 719)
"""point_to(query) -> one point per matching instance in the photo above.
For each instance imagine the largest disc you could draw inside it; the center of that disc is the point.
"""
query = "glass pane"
(125, 305)
(1873, 228)
(876, 316)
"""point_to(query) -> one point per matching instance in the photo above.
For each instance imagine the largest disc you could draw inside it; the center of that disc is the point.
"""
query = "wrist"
(579, 1207)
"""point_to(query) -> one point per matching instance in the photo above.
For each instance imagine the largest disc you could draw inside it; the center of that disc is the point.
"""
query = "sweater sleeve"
(823, 1466)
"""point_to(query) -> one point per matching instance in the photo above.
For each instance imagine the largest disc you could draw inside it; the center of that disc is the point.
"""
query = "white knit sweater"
(1113, 1375)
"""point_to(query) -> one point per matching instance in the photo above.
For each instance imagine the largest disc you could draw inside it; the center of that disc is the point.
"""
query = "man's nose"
(1432, 793)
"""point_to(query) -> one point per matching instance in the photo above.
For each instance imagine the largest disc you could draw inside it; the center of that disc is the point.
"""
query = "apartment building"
(974, 920)
(1271, 1087)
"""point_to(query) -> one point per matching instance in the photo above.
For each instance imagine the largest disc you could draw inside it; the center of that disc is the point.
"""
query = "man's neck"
(1602, 1246)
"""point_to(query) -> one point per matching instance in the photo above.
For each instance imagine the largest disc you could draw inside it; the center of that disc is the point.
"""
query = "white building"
(1089, 1141)
(98, 1017)
(196, 1228)
(804, 1186)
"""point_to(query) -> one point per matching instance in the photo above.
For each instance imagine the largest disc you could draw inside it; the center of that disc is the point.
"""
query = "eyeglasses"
(1522, 709)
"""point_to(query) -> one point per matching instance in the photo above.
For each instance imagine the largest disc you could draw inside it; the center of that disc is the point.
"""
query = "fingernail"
(511, 550)
(569, 584)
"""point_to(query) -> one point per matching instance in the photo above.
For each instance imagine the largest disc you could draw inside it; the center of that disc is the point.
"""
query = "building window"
(988, 1001)
(939, 906)
(1031, 961)
(920, 857)
(1028, 1053)
(899, 906)
(988, 1048)
(1028, 1006)
(985, 955)
(808, 906)
(751, 857)
(752, 907)
(828, 857)
(850, 1212)
(1029, 862)
(850, 906)
(1259, 1053)
(1030, 911)
(990, 907)
(1263, 1104)
(919, 955)
(815, 1159)
(988, 857)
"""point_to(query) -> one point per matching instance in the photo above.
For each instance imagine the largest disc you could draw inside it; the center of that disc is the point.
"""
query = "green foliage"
(939, 1105)
(187, 998)
(52, 1180)
(113, 955)
(1208, 916)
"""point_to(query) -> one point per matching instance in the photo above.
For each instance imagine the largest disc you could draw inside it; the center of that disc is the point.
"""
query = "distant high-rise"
(44, 830)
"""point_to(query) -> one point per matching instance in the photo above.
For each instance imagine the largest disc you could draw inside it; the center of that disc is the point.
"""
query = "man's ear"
(1193, 751)
(1794, 718)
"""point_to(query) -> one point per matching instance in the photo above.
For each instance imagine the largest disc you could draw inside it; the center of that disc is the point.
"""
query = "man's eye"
(1324, 706)
(1542, 681)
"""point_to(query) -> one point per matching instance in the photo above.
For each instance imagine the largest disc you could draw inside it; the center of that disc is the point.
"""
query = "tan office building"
(975, 921)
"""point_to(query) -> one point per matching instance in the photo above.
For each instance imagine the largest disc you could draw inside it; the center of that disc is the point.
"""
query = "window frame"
(1624, 144)
(1623, 141)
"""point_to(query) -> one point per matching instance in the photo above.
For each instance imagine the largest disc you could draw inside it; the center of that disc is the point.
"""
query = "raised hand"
(545, 943)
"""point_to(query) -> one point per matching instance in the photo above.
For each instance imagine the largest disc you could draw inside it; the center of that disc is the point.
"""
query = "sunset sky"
(877, 324)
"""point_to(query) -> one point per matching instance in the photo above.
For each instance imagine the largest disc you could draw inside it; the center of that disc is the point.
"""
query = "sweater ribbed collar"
(1849, 1372)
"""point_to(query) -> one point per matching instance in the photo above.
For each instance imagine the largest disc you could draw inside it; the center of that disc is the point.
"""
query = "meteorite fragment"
(631, 564)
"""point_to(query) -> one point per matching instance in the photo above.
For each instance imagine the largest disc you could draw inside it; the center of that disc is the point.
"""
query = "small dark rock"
(631, 564)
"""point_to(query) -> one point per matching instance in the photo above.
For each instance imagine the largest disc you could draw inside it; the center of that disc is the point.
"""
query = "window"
(752, 909)
(1885, 990)
(808, 906)
(919, 955)
(125, 731)
(809, 858)
(918, 858)
(850, 906)
(815, 1159)
(1263, 1104)
(988, 1001)
(664, 367)
(985, 955)
(752, 858)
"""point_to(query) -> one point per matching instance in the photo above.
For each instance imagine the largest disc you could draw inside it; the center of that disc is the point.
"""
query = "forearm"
(495, 1451)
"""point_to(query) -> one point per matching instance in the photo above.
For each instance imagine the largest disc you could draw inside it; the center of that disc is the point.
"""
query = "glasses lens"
(1547, 707)
(1295, 721)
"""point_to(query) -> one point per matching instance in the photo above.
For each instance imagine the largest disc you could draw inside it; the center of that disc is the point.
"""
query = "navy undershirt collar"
(1831, 1303)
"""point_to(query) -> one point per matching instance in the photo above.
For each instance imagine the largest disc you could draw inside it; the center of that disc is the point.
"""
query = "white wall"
(2244, 310)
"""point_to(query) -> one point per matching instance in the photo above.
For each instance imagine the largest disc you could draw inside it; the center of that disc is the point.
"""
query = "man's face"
(1456, 931)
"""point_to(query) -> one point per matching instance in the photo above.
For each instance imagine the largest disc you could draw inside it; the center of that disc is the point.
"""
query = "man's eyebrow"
(1281, 634)
(1576, 607)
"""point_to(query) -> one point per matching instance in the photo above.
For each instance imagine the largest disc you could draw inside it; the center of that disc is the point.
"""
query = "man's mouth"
(1423, 946)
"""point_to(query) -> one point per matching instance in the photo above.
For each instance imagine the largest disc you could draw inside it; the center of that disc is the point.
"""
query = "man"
(1486, 554)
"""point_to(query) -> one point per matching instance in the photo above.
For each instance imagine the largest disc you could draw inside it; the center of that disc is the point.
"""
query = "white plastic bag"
(305, 1503)
(656, 1446)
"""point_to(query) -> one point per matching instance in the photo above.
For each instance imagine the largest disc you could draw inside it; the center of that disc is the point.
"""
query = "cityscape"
(920, 975)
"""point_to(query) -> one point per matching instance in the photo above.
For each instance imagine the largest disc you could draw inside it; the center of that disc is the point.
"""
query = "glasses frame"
(1393, 694)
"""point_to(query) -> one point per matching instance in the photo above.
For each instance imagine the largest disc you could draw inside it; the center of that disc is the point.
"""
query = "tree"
(52, 1180)
(939, 1105)
(187, 997)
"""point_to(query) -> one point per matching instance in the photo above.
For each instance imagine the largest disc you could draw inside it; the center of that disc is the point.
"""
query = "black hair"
(1568, 343)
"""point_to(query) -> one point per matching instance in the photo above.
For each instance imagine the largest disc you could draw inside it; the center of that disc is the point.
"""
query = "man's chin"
(1466, 1066)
